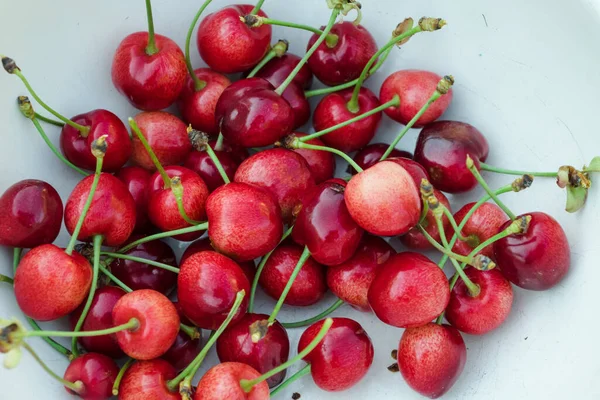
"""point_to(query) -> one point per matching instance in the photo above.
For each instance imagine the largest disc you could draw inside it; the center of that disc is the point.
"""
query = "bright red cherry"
(414, 239)
(185, 349)
(320, 163)
(223, 382)
(137, 180)
(97, 374)
(371, 154)
(148, 380)
(278, 69)
(201, 163)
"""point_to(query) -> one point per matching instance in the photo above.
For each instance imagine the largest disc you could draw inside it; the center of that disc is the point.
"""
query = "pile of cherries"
(232, 165)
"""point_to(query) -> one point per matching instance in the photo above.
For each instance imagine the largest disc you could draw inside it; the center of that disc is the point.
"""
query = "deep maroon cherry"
(185, 349)
(371, 154)
(278, 69)
(294, 95)
(148, 379)
(97, 374)
(201, 163)
(320, 163)
(137, 180)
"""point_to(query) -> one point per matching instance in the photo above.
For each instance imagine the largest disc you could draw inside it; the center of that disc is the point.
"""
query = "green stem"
(124, 368)
(453, 223)
(136, 129)
(316, 318)
(270, 55)
(53, 343)
(490, 192)
(132, 324)
(74, 386)
(441, 248)
(217, 162)
(219, 143)
(116, 280)
(256, 8)
(495, 238)
(304, 371)
(55, 150)
(247, 385)
(48, 120)
(4, 278)
(198, 83)
(192, 332)
(177, 189)
(162, 235)
(346, 157)
(16, 258)
(141, 261)
(151, 46)
(487, 167)
(331, 38)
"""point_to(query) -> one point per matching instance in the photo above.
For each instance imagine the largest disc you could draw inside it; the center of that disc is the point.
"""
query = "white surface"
(528, 79)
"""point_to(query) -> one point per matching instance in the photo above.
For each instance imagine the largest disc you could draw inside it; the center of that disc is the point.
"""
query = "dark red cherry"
(223, 382)
(371, 154)
(235, 92)
(185, 349)
(294, 95)
(238, 153)
(137, 180)
(97, 374)
(278, 69)
(320, 163)
(201, 163)
(148, 379)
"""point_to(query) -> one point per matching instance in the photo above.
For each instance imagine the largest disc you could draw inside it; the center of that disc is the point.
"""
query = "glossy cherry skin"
(228, 56)
(147, 380)
(320, 163)
(485, 312)
(342, 358)
(149, 82)
(333, 110)
(185, 349)
(201, 163)
(167, 136)
(414, 239)
(537, 259)
(235, 92)
(347, 59)
(96, 372)
(278, 69)
(244, 221)
(431, 358)
(99, 317)
(325, 226)
(223, 382)
(414, 87)
(207, 286)
(409, 290)
(236, 345)
(143, 276)
(309, 286)
(31, 212)
(137, 181)
(283, 173)
(442, 148)
(351, 280)
(371, 154)
(294, 95)
(61, 280)
(198, 107)
(384, 200)
(158, 324)
(111, 214)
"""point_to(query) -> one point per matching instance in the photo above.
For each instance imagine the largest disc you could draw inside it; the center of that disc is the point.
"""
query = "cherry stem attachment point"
(304, 371)
(141, 261)
(338, 303)
(484, 185)
(201, 227)
(490, 168)
(136, 129)
(77, 387)
(200, 143)
(124, 368)
(198, 83)
(278, 50)
(151, 46)
(191, 331)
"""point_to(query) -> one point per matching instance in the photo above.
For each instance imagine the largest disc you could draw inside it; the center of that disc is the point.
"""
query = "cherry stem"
(16, 258)
(49, 120)
(338, 303)
(116, 280)
(136, 129)
(346, 157)
(304, 371)
(490, 192)
(301, 261)
(191, 369)
(124, 368)
(260, 268)
(453, 223)
(217, 162)
(331, 39)
(441, 248)
(247, 385)
(202, 227)
(177, 189)
(141, 261)
(191, 331)
(151, 47)
(278, 50)
(74, 386)
(88, 304)
(487, 167)
(132, 325)
(198, 83)
(392, 103)
(219, 143)
(309, 53)
(4, 278)
(257, 8)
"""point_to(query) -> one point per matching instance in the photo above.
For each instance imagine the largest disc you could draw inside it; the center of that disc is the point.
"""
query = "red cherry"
(409, 290)
(350, 281)
(383, 199)
(50, 284)
(478, 315)
(76, 147)
(320, 163)
(97, 374)
(325, 226)
(238, 153)
(333, 110)
(371, 154)
(346, 60)
(235, 92)
(272, 350)
(149, 82)
(225, 55)
(111, 214)
(442, 148)
(414, 239)
(137, 181)
(342, 358)
(431, 358)
(31, 213)
(99, 317)
(206, 288)
(223, 382)
(244, 221)
(278, 69)
(158, 324)
(201, 163)
(185, 349)
(537, 259)
(294, 95)
(197, 107)
(283, 173)
(148, 379)
(309, 286)
(414, 87)
(167, 136)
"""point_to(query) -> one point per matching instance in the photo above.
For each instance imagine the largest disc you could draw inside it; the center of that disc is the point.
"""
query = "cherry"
(97, 374)
(414, 88)
(345, 60)
(207, 286)
(158, 324)
(223, 382)
(167, 136)
(371, 154)
(478, 315)
(31, 212)
(431, 358)
(537, 259)
(414, 239)
(442, 148)
(50, 284)
(350, 281)
(185, 349)
(228, 56)
(384, 200)
(201, 163)
(325, 226)
(238, 153)
(235, 92)
(283, 173)
(320, 163)
(148, 379)
(244, 221)
(342, 358)
(137, 275)
(279, 68)
(99, 317)
(237, 345)
(409, 290)
(294, 95)
(137, 181)
(333, 110)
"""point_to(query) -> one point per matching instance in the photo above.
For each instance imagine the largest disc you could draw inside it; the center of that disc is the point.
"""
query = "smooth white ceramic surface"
(526, 75)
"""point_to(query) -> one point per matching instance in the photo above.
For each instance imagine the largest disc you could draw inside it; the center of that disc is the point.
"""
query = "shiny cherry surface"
(148, 379)
(223, 382)
(372, 153)
(137, 181)
(320, 163)
(96, 372)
